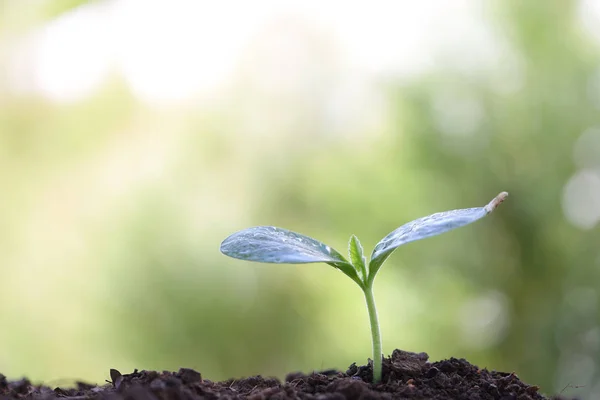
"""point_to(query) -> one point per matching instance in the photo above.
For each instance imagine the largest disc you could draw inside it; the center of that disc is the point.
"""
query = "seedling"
(269, 244)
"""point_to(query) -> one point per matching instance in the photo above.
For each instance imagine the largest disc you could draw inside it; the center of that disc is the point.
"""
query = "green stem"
(375, 333)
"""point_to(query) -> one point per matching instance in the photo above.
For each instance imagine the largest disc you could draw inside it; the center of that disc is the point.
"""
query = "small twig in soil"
(230, 386)
(569, 385)
(295, 382)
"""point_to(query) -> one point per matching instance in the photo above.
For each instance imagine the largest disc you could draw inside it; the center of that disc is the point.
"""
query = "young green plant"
(269, 244)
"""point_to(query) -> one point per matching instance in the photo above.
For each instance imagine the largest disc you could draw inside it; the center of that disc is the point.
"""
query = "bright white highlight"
(181, 49)
(581, 199)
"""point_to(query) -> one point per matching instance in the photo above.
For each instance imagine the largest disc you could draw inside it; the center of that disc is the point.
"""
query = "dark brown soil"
(405, 376)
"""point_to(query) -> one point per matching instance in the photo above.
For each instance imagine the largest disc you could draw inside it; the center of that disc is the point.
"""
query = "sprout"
(269, 244)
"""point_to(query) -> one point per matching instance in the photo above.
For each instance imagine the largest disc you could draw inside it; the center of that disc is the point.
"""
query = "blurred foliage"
(53, 9)
(113, 212)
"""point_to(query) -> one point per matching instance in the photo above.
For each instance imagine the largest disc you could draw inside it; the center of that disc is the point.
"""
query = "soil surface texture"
(405, 376)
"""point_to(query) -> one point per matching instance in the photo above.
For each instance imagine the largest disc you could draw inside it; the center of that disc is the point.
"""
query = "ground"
(405, 376)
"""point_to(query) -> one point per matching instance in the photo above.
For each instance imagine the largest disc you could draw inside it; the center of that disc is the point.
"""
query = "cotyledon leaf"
(269, 244)
(428, 226)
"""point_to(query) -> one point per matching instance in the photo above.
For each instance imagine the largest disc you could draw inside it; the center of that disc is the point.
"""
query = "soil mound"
(405, 376)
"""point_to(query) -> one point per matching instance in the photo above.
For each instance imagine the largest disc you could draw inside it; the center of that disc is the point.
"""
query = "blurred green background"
(135, 136)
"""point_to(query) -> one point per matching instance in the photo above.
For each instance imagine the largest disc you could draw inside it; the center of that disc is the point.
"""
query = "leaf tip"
(224, 243)
(492, 205)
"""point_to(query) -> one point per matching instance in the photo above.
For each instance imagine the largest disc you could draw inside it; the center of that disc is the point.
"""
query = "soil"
(405, 376)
